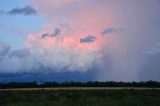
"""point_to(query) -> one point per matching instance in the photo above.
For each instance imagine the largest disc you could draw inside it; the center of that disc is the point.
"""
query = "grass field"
(77, 97)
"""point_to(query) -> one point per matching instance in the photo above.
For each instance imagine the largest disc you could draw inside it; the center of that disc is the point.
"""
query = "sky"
(79, 40)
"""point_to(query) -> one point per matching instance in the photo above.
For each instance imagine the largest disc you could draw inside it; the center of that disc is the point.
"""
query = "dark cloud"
(27, 10)
(51, 76)
(88, 39)
(110, 30)
(55, 33)
(45, 35)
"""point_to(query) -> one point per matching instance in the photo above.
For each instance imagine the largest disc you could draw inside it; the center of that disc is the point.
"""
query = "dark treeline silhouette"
(79, 84)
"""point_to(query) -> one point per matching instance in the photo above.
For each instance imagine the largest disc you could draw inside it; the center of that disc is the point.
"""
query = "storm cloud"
(74, 39)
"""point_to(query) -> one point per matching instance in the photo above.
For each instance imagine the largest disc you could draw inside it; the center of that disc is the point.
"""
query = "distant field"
(83, 96)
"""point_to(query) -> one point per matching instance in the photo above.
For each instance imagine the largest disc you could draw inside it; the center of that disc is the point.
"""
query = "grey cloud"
(110, 30)
(45, 35)
(17, 61)
(13, 61)
(88, 39)
(20, 53)
(56, 32)
(27, 10)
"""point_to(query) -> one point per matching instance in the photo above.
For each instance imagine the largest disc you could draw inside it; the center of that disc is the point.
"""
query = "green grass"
(80, 98)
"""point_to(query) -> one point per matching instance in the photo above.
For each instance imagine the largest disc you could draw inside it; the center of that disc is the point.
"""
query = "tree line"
(34, 84)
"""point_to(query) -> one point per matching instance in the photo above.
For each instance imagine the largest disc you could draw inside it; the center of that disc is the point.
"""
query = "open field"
(80, 96)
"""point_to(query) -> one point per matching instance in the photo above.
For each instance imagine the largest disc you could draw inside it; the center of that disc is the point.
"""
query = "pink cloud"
(76, 20)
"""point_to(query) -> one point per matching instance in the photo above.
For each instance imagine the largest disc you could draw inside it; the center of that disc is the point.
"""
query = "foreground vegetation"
(80, 98)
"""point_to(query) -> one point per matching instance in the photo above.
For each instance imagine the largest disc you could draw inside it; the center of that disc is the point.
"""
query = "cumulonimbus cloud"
(63, 52)
(58, 53)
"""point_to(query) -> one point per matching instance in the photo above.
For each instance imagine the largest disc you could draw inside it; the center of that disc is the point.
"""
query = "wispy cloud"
(27, 10)
(110, 30)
